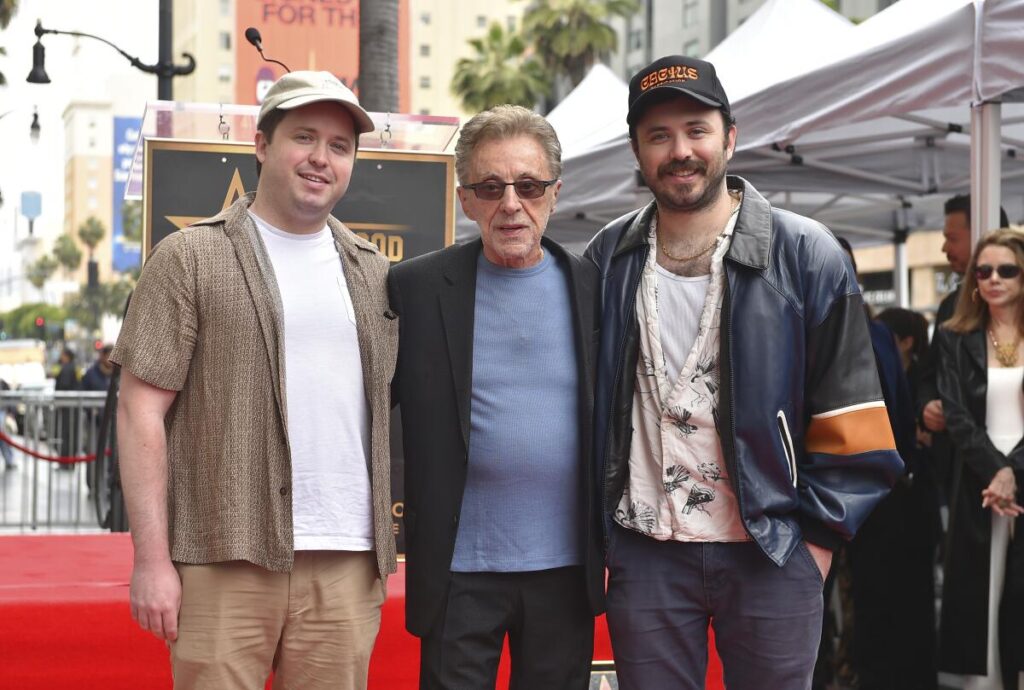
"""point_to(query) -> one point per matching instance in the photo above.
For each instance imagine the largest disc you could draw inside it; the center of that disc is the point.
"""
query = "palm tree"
(499, 72)
(91, 232)
(378, 55)
(67, 253)
(40, 271)
(571, 35)
(8, 8)
(131, 221)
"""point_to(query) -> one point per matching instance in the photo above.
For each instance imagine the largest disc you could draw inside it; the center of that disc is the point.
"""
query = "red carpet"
(64, 622)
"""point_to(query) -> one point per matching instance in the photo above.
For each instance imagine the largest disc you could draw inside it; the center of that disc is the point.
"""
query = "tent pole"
(986, 172)
(901, 271)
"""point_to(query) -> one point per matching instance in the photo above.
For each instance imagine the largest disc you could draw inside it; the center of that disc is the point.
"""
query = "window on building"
(481, 21)
(690, 13)
(224, 73)
(425, 50)
(425, 18)
(225, 40)
(511, 23)
(424, 82)
(424, 111)
(225, 8)
(692, 48)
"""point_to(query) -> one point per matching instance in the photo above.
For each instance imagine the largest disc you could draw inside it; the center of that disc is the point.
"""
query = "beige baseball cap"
(297, 89)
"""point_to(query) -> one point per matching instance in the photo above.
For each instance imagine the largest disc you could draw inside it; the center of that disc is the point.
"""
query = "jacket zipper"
(787, 443)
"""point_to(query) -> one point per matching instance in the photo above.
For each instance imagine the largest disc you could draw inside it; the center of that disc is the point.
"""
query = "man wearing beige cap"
(256, 360)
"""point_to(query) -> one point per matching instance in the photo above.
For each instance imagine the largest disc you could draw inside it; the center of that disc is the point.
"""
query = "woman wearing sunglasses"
(981, 382)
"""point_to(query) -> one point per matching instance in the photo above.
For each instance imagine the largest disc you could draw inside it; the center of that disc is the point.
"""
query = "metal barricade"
(49, 484)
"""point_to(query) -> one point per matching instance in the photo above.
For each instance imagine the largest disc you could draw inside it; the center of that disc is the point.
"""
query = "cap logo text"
(667, 74)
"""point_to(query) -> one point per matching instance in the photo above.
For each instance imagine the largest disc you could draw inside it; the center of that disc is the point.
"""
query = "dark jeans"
(545, 615)
(663, 595)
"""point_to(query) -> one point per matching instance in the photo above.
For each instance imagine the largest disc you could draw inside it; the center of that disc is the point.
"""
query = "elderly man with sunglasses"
(494, 380)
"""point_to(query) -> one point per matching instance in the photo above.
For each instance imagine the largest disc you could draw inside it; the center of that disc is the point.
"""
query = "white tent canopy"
(780, 40)
(592, 113)
(887, 131)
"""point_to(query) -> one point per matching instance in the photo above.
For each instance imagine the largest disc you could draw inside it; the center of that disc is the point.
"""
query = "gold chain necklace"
(1006, 355)
(734, 202)
(702, 252)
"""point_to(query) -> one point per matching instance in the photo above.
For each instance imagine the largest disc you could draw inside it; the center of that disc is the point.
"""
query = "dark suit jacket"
(941, 451)
(434, 296)
(928, 386)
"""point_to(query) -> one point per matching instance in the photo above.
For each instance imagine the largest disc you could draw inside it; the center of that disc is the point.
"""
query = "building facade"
(88, 181)
(439, 34)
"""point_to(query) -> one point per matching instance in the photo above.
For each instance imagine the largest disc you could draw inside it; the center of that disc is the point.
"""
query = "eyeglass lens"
(492, 190)
(1005, 271)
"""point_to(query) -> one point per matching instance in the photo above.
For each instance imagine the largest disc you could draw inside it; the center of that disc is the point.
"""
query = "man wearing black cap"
(256, 359)
(740, 427)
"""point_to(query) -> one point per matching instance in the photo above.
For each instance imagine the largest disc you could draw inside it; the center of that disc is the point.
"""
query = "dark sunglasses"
(1005, 271)
(527, 188)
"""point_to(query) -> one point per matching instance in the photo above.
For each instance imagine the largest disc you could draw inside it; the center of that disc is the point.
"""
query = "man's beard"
(670, 198)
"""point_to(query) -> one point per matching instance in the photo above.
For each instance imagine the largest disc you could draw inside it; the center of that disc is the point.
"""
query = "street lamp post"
(165, 69)
(33, 129)
(33, 133)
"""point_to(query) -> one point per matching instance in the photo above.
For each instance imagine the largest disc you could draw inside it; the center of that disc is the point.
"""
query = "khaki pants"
(315, 626)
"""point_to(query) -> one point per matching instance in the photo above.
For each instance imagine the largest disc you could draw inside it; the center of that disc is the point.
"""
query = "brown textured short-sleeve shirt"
(205, 320)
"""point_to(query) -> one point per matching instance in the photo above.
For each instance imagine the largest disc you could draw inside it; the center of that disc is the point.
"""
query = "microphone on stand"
(252, 34)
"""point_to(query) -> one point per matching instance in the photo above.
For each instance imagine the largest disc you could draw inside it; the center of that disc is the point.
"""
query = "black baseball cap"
(686, 75)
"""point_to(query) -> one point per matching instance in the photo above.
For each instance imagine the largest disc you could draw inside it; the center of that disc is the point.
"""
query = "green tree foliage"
(67, 252)
(40, 271)
(131, 221)
(500, 71)
(20, 322)
(569, 36)
(8, 8)
(88, 306)
(91, 232)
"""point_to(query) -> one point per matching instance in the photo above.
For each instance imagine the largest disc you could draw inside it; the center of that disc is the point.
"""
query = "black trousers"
(545, 615)
(892, 562)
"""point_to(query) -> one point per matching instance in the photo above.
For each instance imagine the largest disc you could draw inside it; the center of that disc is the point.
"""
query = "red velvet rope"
(62, 459)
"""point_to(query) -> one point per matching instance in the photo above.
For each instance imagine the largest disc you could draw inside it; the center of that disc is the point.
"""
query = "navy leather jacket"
(802, 421)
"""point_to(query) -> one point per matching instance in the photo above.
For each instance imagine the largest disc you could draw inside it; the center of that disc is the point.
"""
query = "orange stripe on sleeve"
(849, 433)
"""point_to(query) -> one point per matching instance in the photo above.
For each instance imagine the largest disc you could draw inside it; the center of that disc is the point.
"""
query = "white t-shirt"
(328, 421)
(680, 304)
